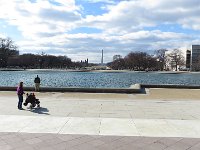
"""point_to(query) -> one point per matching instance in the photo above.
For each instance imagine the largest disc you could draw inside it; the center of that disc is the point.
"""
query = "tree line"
(141, 61)
(9, 57)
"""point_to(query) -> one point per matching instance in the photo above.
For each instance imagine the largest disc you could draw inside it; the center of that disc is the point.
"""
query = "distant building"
(195, 58)
(116, 57)
(188, 59)
(84, 63)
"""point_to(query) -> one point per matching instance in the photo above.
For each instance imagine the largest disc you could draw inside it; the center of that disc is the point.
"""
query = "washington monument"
(102, 58)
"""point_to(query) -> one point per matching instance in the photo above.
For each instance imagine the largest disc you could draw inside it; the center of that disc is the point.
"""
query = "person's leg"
(35, 86)
(38, 86)
(20, 101)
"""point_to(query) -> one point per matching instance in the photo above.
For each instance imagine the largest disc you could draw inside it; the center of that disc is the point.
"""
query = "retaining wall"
(86, 90)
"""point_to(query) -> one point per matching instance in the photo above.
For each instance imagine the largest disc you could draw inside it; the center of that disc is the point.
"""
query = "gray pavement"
(101, 121)
(29, 141)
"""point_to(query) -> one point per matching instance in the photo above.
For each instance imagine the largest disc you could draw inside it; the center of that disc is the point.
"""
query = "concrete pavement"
(124, 121)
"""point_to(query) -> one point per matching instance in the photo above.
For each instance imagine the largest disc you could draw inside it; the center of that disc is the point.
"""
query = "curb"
(174, 86)
(85, 90)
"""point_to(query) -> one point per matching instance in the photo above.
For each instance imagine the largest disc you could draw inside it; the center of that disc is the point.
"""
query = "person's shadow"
(40, 110)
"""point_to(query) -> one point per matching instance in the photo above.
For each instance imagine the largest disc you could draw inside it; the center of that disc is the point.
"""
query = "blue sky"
(80, 29)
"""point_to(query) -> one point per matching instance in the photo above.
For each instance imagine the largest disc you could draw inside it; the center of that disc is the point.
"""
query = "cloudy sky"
(80, 29)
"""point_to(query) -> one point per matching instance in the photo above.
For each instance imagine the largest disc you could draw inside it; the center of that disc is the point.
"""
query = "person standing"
(20, 92)
(37, 83)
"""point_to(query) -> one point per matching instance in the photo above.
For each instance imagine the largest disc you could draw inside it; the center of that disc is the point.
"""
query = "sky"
(80, 29)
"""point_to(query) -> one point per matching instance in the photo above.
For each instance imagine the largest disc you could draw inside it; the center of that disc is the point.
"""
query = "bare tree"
(138, 61)
(161, 58)
(117, 64)
(7, 48)
(177, 58)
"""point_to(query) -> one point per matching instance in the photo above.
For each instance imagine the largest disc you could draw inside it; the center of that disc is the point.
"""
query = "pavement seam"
(173, 143)
(100, 120)
(100, 127)
(63, 125)
(138, 131)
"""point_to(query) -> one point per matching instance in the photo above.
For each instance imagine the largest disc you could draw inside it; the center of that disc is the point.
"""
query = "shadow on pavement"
(40, 110)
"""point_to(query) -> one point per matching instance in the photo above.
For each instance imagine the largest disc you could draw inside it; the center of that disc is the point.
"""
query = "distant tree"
(137, 60)
(28, 60)
(117, 64)
(7, 49)
(64, 61)
(49, 61)
(13, 61)
(115, 57)
(161, 58)
(177, 58)
(77, 64)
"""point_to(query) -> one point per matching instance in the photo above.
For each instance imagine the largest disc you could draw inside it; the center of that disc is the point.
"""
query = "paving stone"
(2, 142)
(190, 142)
(84, 139)
(19, 144)
(25, 148)
(9, 136)
(178, 146)
(195, 147)
(33, 141)
(84, 146)
(96, 142)
(6, 147)
(108, 139)
(154, 146)
(46, 137)
(135, 145)
(73, 143)
(46, 148)
(64, 137)
(13, 140)
(149, 140)
(169, 141)
(105, 147)
(53, 141)
(25, 136)
(60, 146)
(129, 147)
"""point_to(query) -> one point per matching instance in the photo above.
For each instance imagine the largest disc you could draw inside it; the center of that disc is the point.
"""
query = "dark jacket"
(37, 80)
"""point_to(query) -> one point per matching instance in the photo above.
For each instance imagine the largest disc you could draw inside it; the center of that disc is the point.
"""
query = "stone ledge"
(176, 86)
(86, 90)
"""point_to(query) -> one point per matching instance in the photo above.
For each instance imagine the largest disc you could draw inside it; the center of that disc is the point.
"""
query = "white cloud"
(82, 46)
(33, 19)
(132, 15)
(46, 26)
(104, 1)
(2, 36)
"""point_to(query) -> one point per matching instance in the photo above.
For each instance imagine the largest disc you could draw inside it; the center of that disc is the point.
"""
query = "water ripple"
(95, 79)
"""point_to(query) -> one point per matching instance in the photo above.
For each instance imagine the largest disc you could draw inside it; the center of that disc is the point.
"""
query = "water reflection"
(95, 79)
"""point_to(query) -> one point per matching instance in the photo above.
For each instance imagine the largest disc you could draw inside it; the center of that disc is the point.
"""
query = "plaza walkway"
(160, 119)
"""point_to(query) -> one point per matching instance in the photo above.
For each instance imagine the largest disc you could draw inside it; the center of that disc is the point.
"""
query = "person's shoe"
(21, 108)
